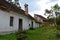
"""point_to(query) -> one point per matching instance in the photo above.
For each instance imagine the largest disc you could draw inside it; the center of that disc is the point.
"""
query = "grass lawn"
(43, 33)
(8, 37)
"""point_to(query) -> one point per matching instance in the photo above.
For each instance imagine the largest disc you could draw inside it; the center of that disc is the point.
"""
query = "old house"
(41, 19)
(13, 18)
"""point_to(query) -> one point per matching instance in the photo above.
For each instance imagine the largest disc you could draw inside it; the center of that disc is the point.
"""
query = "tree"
(53, 12)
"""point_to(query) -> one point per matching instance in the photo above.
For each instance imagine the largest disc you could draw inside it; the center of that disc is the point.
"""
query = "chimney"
(26, 8)
(17, 3)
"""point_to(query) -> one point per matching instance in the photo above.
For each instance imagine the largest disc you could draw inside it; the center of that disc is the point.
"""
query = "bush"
(58, 21)
(58, 34)
(21, 35)
(58, 27)
(31, 28)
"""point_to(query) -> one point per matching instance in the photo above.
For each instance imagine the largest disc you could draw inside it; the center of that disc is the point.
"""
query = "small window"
(29, 24)
(11, 21)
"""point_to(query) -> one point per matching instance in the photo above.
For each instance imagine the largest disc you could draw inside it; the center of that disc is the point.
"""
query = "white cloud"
(40, 12)
(44, 4)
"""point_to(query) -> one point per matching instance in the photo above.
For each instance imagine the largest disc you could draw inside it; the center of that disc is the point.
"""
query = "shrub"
(58, 20)
(21, 35)
(58, 27)
(31, 28)
(58, 34)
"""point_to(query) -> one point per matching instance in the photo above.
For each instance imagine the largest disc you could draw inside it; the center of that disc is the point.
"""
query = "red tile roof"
(40, 16)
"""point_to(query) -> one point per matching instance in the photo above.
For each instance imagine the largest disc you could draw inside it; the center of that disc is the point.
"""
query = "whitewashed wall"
(30, 22)
(5, 21)
(36, 25)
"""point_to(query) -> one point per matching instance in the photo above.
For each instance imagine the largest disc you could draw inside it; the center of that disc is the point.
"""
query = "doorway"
(32, 24)
(20, 24)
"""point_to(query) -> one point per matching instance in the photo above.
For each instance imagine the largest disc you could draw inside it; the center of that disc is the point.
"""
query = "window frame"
(11, 21)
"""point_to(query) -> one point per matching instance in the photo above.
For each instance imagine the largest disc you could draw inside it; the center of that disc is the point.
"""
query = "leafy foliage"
(55, 9)
(54, 12)
(58, 20)
(51, 20)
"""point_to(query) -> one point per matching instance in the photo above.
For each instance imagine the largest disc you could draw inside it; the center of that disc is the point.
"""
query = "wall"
(5, 21)
(36, 25)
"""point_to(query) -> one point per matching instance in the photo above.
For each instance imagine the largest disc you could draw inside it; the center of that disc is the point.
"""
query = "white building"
(12, 18)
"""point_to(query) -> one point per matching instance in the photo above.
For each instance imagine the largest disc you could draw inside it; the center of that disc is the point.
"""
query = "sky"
(38, 6)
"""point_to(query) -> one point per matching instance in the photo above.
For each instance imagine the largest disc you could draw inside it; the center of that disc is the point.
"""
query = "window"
(11, 21)
(29, 24)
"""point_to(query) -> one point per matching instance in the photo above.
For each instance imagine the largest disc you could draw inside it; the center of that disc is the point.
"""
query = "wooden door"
(20, 24)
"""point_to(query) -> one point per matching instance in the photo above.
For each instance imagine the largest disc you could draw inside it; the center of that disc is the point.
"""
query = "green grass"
(43, 33)
(11, 36)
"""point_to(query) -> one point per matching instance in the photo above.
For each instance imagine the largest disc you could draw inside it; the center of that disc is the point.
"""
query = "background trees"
(54, 14)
